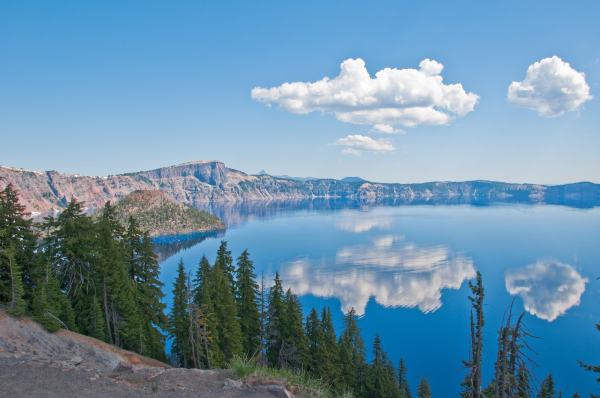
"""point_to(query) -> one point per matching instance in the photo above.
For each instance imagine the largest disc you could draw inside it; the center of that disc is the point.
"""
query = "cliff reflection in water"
(167, 246)
(394, 272)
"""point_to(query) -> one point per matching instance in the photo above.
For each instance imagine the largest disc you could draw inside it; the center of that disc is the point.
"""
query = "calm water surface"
(405, 270)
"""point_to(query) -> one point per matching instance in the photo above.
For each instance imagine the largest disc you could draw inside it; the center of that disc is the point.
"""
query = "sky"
(505, 90)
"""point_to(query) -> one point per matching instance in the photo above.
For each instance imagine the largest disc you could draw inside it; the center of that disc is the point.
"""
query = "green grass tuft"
(299, 381)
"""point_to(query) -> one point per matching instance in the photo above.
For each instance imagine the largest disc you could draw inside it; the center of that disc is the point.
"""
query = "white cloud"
(355, 144)
(384, 128)
(393, 98)
(362, 223)
(551, 87)
(394, 272)
(548, 288)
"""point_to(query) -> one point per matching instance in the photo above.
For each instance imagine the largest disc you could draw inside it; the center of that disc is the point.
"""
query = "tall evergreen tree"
(275, 323)
(423, 391)
(381, 382)
(224, 261)
(229, 336)
(70, 247)
(403, 385)
(352, 366)
(204, 301)
(523, 389)
(472, 383)
(17, 243)
(328, 354)
(314, 337)
(547, 388)
(144, 273)
(178, 320)
(293, 352)
(117, 291)
(247, 304)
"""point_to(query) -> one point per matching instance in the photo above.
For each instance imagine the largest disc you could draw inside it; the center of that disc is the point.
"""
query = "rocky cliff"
(208, 182)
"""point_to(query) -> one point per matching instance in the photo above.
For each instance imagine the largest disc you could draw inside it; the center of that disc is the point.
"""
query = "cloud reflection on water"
(396, 273)
(548, 288)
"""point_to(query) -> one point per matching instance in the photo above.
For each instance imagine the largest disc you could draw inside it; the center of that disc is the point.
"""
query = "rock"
(232, 384)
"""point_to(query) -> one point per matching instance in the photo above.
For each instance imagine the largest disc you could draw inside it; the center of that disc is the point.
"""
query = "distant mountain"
(353, 179)
(208, 182)
(159, 215)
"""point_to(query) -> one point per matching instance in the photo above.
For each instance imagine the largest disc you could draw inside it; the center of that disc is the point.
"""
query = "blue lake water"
(405, 270)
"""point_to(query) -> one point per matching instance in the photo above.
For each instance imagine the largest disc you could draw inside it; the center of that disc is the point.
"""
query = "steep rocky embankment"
(158, 214)
(35, 363)
(200, 183)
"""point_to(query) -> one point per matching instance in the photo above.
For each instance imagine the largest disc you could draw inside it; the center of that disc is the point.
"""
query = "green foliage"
(296, 380)
(423, 391)
(547, 388)
(381, 380)
(157, 214)
(247, 304)
(276, 324)
(351, 359)
(178, 320)
(403, 381)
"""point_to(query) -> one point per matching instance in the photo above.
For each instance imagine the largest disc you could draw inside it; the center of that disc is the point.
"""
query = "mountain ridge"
(198, 183)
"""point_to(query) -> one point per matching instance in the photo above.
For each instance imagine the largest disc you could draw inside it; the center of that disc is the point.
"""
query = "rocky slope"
(35, 363)
(203, 182)
(156, 213)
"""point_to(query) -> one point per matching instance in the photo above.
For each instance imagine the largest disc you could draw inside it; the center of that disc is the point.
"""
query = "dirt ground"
(37, 364)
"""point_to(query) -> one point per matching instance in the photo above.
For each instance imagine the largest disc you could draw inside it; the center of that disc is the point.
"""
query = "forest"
(98, 277)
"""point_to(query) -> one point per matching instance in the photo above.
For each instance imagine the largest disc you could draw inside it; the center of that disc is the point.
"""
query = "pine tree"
(523, 389)
(247, 304)
(144, 273)
(403, 385)
(328, 353)
(381, 381)
(472, 383)
(293, 351)
(547, 388)
(224, 261)
(203, 299)
(275, 323)
(178, 320)
(352, 367)
(424, 391)
(117, 291)
(17, 243)
(314, 336)
(70, 248)
(229, 336)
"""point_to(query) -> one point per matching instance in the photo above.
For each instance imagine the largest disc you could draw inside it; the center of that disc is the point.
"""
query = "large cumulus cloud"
(551, 87)
(548, 288)
(394, 272)
(393, 98)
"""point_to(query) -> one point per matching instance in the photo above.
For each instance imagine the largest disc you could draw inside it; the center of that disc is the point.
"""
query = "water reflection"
(362, 222)
(396, 273)
(167, 246)
(548, 288)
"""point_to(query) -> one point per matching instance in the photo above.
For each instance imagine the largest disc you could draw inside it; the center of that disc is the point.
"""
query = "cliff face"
(201, 183)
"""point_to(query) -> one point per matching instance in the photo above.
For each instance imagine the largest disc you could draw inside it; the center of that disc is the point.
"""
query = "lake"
(405, 269)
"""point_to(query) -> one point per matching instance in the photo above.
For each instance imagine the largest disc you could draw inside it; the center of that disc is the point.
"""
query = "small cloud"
(391, 99)
(548, 288)
(551, 87)
(384, 128)
(355, 144)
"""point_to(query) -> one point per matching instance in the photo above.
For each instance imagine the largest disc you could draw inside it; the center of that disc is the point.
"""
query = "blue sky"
(114, 86)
